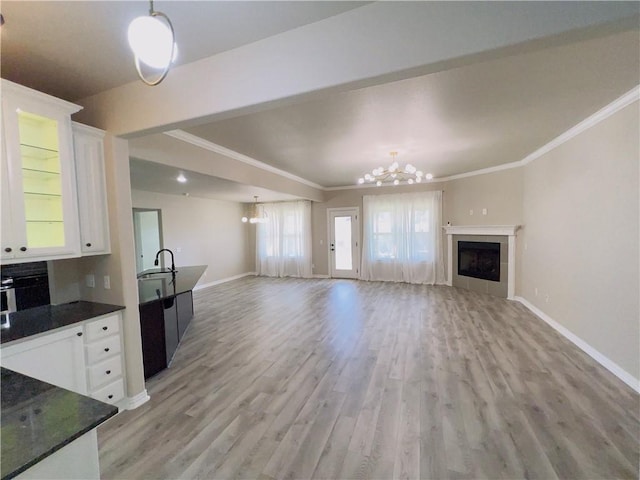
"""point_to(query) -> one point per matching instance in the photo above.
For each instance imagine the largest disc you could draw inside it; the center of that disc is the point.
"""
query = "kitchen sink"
(155, 275)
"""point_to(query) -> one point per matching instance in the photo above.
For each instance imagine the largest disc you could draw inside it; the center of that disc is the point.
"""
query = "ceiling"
(74, 49)
(476, 116)
(155, 177)
(446, 123)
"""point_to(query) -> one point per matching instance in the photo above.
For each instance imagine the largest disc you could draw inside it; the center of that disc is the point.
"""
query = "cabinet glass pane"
(41, 180)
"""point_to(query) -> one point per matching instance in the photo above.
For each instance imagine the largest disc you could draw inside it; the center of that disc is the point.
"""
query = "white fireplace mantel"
(503, 230)
(481, 229)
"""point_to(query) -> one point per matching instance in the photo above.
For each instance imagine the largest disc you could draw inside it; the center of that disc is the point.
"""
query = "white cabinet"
(39, 203)
(77, 460)
(56, 358)
(103, 350)
(92, 191)
(86, 358)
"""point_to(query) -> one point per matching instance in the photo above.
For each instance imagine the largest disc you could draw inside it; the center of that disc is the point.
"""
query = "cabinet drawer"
(102, 328)
(104, 372)
(103, 349)
(112, 393)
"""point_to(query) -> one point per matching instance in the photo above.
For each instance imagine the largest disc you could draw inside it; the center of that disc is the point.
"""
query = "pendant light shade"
(152, 41)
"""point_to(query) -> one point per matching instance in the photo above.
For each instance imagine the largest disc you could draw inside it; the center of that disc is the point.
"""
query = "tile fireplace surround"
(485, 230)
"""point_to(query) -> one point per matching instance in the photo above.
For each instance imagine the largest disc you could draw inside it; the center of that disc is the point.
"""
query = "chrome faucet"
(173, 267)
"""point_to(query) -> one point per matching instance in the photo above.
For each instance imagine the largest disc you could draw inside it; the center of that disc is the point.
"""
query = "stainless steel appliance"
(7, 296)
(24, 286)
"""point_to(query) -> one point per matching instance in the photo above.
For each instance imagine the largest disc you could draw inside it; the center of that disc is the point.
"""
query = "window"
(283, 242)
(402, 241)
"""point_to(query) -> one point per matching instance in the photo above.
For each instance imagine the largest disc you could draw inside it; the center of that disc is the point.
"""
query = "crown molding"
(625, 100)
(214, 147)
(42, 98)
(88, 130)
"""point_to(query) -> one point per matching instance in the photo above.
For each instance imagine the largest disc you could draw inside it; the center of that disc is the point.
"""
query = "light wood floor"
(285, 378)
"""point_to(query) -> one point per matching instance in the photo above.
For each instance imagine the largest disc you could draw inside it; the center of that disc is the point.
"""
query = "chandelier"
(254, 215)
(395, 175)
(153, 43)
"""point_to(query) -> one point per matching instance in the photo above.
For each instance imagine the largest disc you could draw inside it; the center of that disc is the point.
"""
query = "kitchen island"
(166, 309)
(48, 431)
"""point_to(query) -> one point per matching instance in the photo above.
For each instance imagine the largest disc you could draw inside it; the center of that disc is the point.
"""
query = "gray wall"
(207, 232)
(581, 210)
(500, 193)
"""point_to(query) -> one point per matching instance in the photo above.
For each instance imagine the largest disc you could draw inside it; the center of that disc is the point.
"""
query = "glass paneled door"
(344, 242)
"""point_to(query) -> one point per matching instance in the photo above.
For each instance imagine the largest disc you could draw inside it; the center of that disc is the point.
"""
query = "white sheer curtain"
(283, 242)
(402, 241)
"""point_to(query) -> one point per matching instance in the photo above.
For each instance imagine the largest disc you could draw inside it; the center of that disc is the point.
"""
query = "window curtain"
(402, 241)
(283, 242)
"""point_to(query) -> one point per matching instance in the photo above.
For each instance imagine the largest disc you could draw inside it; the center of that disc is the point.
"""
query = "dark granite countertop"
(39, 418)
(162, 284)
(32, 321)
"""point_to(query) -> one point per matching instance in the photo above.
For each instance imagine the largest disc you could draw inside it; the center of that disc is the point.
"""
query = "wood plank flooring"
(328, 379)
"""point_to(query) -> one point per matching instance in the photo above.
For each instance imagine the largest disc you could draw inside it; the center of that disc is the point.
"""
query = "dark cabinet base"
(154, 356)
(162, 325)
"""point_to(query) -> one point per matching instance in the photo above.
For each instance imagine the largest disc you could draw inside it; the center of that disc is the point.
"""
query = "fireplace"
(479, 260)
(503, 234)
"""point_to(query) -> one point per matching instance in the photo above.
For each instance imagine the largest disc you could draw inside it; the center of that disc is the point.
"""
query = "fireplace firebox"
(479, 260)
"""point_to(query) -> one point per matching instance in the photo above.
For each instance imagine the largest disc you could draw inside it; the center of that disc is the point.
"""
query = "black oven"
(24, 286)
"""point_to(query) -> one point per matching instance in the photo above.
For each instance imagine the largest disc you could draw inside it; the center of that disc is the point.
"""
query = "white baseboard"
(317, 275)
(607, 363)
(131, 403)
(222, 280)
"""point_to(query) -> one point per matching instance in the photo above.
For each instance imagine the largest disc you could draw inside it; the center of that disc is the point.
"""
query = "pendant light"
(254, 213)
(153, 43)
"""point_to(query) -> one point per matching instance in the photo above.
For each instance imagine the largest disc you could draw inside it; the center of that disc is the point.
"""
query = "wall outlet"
(535, 291)
(107, 282)
(179, 250)
(484, 211)
(470, 212)
(546, 298)
(90, 280)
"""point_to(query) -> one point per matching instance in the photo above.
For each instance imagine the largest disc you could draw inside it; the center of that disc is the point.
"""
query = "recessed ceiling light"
(181, 178)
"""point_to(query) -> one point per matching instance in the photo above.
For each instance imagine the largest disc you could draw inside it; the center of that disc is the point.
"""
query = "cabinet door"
(40, 169)
(55, 358)
(154, 356)
(6, 234)
(92, 191)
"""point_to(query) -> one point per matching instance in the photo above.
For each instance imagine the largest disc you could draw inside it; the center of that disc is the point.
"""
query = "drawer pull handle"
(23, 249)
(110, 397)
(88, 244)
(8, 249)
(79, 334)
(105, 328)
(106, 349)
(108, 372)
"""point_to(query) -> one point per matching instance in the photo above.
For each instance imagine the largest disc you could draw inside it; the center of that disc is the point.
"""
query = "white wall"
(581, 216)
(201, 231)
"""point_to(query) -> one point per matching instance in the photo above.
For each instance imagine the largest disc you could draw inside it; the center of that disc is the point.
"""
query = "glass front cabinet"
(39, 200)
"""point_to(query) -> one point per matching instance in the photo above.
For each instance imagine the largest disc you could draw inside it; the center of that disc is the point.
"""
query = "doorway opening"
(147, 230)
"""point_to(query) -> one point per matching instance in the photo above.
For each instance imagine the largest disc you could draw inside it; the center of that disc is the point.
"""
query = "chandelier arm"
(165, 71)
